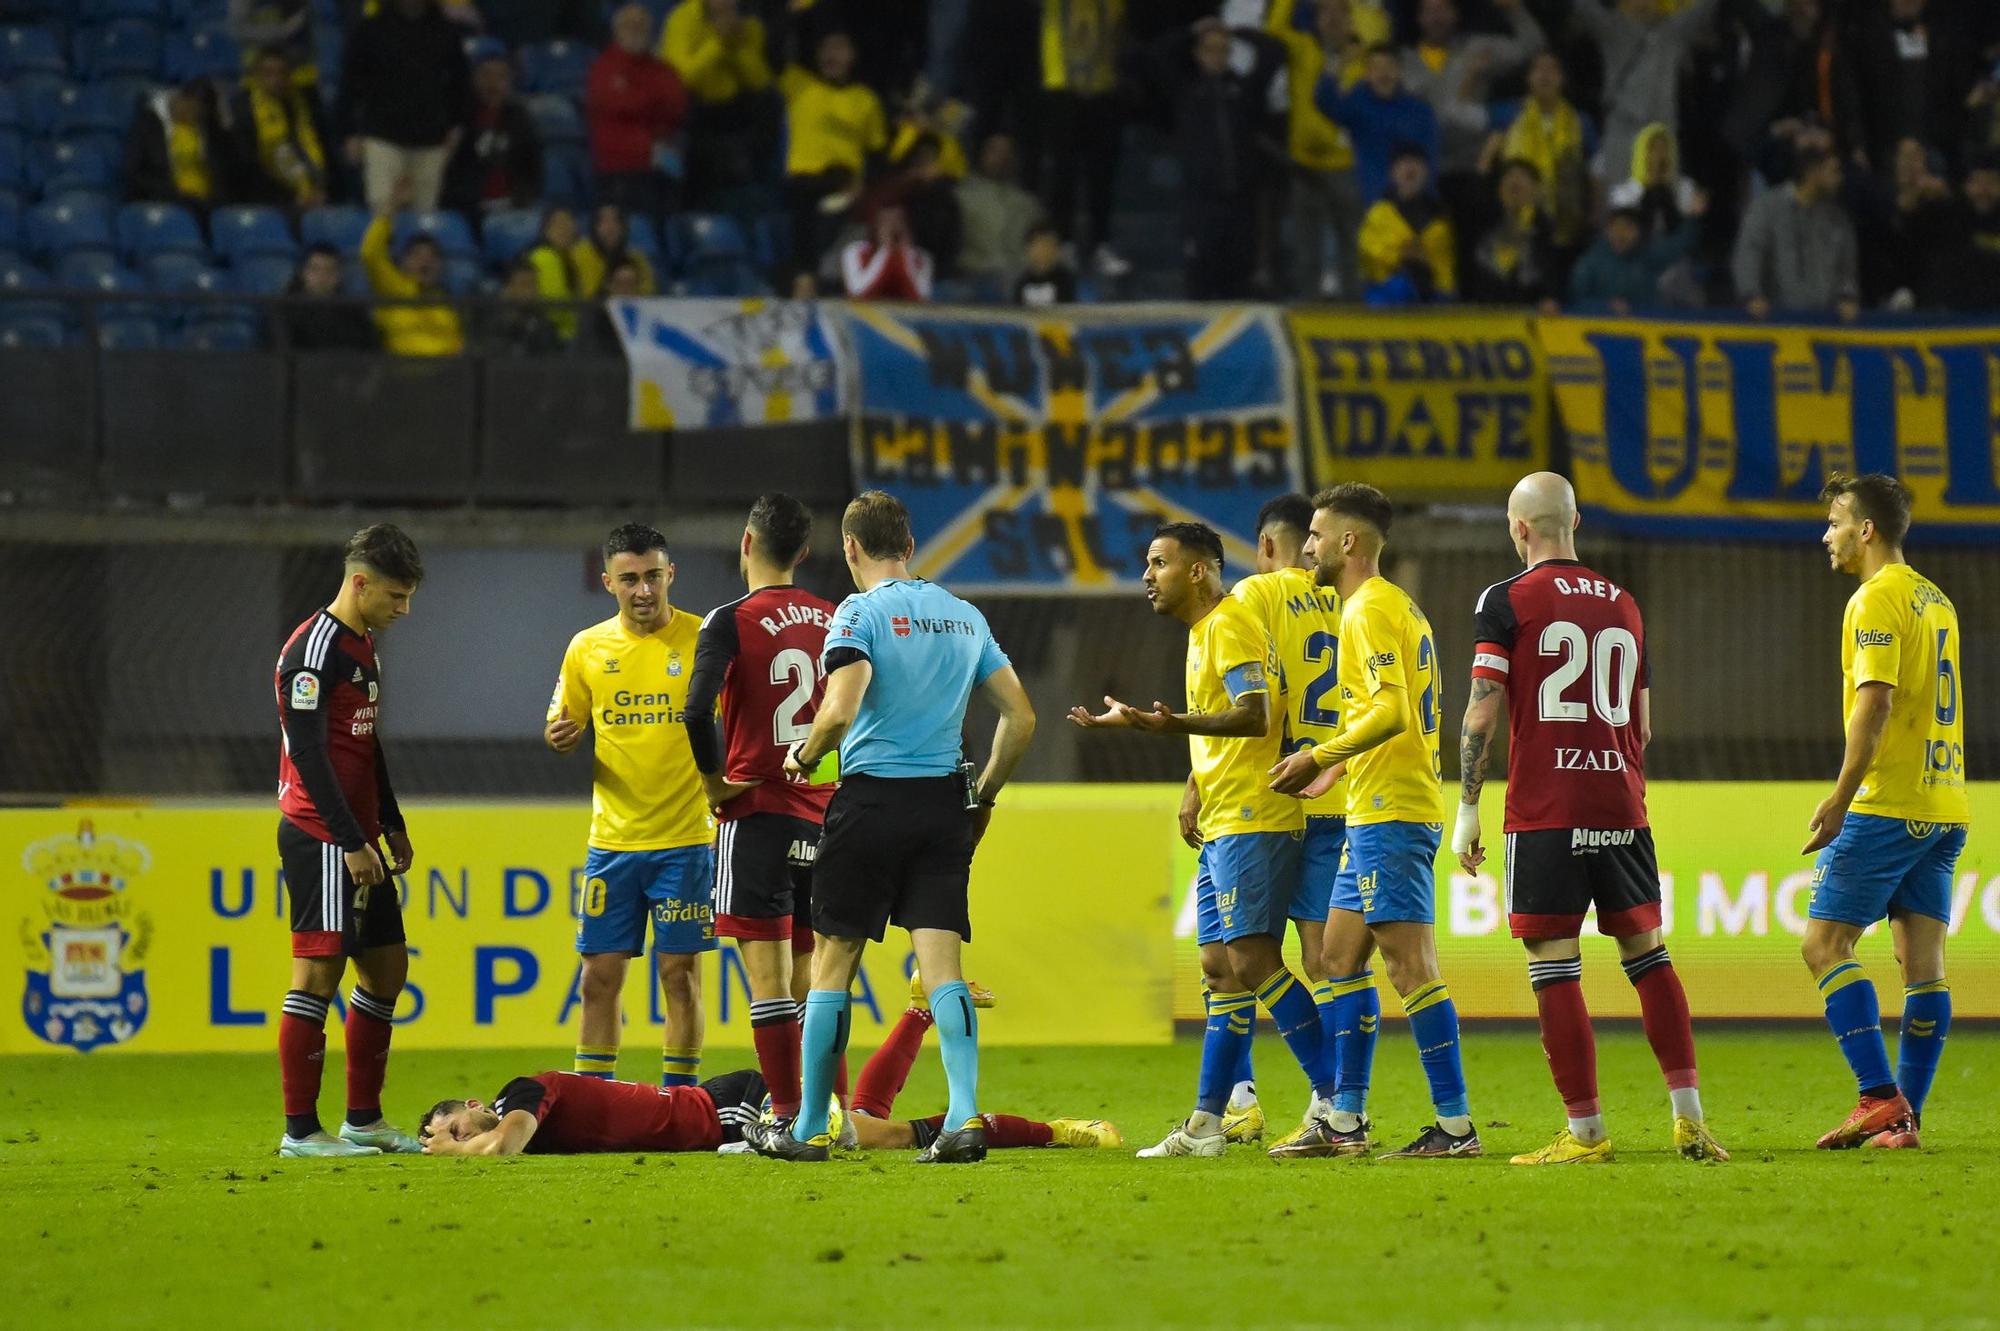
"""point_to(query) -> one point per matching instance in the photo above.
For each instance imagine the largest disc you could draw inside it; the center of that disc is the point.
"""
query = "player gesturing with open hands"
(1161, 720)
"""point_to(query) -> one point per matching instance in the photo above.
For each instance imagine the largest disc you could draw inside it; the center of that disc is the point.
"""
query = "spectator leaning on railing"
(409, 330)
(886, 264)
(318, 317)
(403, 94)
(1621, 273)
(278, 137)
(1046, 280)
(1796, 250)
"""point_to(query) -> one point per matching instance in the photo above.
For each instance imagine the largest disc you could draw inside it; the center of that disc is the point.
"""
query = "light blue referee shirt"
(929, 650)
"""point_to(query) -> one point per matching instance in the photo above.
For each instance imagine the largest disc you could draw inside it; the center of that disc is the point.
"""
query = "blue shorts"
(1319, 865)
(1389, 872)
(1881, 865)
(622, 887)
(1245, 885)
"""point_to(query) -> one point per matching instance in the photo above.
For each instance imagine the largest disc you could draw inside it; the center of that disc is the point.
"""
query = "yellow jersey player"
(1250, 837)
(1890, 834)
(1385, 894)
(1302, 622)
(650, 830)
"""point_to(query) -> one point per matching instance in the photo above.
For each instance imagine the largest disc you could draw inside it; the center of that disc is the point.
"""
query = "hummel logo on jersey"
(610, 665)
(901, 625)
(1581, 838)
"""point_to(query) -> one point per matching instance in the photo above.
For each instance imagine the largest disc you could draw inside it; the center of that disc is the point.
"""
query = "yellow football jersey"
(1226, 660)
(1303, 622)
(1386, 641)
(1900, 630)
(632, 690)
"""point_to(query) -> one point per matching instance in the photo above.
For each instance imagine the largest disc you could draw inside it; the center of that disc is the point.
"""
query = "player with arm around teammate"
(1561, 656)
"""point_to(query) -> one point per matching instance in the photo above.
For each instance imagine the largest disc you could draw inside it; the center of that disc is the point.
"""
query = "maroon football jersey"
(1570, 649)
(765, 649)
(580, 1114)
(329, 672)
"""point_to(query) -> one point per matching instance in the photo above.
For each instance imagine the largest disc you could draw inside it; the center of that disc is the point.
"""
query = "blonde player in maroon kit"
(1562, 649)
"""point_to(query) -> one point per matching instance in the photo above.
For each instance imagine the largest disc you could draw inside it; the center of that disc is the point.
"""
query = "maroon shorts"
(332, 915)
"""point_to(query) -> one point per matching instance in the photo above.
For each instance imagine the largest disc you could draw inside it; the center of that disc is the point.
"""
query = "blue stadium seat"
(726, 277)
(509, 233)
(556, 118)
(11, 113)
(104, 11)
(197, 13)
(13, 160)
(124, 47)
(83, 268)
(88, 162)
(42, 98)
(128, 333)
(771, 238)
(698, 238)
(53, 229)
(265, 275)
(207, 53)
(31, 50)
(28, 328)
(94, 108)
(641, 236)
(338, 225)
(447, 228)
(118, 281)
(566, 175)
(481, 47)
(558, 66)
(219, 335)
(173, 271)
(88, 200)
(146, 229)
(462, 276)
(10, 222)
(239, 233)
(186, 274)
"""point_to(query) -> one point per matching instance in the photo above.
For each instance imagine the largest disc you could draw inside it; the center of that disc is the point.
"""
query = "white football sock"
(1202, 1124)
(1243, 1095)
(1687, 1102)
(1589, 1131)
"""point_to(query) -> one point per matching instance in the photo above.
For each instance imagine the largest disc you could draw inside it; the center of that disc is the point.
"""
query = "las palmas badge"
(86, 986)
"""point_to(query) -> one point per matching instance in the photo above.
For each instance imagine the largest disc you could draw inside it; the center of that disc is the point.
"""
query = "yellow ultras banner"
(164, 928)
(1437, 404)
(1736, 893)
(1723, 429)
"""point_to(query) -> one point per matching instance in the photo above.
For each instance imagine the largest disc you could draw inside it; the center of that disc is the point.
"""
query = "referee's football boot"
(963, 1146)
(321, 1145)
(1182, 1142)
(383, 1137)
(1693, 1141)
(1569, 1149)
(776, 1140)
(1434, 1143)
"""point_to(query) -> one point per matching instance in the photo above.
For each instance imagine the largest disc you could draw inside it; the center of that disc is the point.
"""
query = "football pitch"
(143, 1191)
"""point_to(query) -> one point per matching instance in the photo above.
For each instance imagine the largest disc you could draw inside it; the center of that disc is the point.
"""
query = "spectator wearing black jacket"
(1229, 142)
(175, 152)
(1786, 78)
(1905, 70)
(498, 162)
(318, 317)
(276, 136)
(1515, 262)
(403, 98)
(1968, 266)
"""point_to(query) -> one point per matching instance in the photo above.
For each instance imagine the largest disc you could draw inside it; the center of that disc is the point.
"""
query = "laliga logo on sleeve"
(85, 986)
(900, 625)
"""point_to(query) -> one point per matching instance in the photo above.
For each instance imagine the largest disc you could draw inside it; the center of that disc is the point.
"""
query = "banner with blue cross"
(1039, 450)
(702, 364)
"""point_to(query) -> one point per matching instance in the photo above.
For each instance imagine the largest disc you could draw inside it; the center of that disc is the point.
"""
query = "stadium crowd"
(1814, 157)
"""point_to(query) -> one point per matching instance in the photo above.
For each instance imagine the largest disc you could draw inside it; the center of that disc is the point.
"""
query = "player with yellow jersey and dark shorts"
(1890, 834)
(1385, 895)
(1250, 838)
(1302, 621)
(650, 831)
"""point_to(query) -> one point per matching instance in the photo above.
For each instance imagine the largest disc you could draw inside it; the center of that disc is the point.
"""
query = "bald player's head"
(1542, 513)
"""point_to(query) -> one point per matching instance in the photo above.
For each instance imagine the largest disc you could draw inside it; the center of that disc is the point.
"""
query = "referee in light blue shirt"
(902, 658)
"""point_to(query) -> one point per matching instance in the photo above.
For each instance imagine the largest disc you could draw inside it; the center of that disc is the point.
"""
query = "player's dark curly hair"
(384, 549)
(879, 524)
(634, 538)
(1357, 499)
(1292, 510)
(435, 1112)
(782, 526)
(1198, 538)
(1882, 500)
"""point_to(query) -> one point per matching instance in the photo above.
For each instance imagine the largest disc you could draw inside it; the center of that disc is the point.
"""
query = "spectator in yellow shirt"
(719, 53)
(409, 330)
(604, 250)
(1083, 119)
(835, 125)
(1407, 246)
(1326, 199)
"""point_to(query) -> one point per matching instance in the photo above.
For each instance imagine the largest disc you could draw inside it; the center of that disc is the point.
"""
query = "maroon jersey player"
(1562, 649)
(760, 655)
(336, 804)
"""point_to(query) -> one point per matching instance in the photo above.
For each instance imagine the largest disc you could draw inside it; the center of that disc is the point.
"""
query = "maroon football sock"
(1663, 1007)
(1568, 1042)
(368, 1031)
(777, 1041)
(301, 1060)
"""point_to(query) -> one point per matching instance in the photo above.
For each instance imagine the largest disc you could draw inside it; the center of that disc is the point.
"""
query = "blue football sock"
(1225, 1040)
(824, 1036)
(1292, 1008)
(1244, 1072)
(1926, 1019)
(1322, 992)
(1856, 1018)
(1357, 1016)
(958, 1041)
(1434, 1026)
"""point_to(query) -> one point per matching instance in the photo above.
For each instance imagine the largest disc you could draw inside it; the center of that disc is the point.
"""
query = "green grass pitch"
(142, 1191)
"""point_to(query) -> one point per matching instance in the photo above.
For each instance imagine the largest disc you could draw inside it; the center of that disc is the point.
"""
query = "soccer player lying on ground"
(562, 1113)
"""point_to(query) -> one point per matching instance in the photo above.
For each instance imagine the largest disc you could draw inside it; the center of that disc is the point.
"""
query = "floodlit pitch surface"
(142, 1191)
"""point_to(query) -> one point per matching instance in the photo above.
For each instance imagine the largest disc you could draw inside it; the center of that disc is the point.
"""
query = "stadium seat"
(89, 200)
(171, 271)
(641, 236)
(447, 228)
(462, 275)
(771, 238)
(128, 333)
(20, 328)
(13, 160)
(338, 225)
(726, 277)
(86, 162)
(558, 66)
(31, 50)
(219, 335)
(146, 229)
(242, 232)
(566, 175)
(208, 53)
(52, 229)
(105, 11)
(509, 233)
(264, 275)
(699, 238)
(42, 98)
(10, 222)
(197, 13)
(556, 119)
(124, 47)
(83, 268)
(94, 108)
(481, 47)
(10, 108)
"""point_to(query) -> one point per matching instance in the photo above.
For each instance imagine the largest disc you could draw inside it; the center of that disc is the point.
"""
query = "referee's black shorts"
(897, 850)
